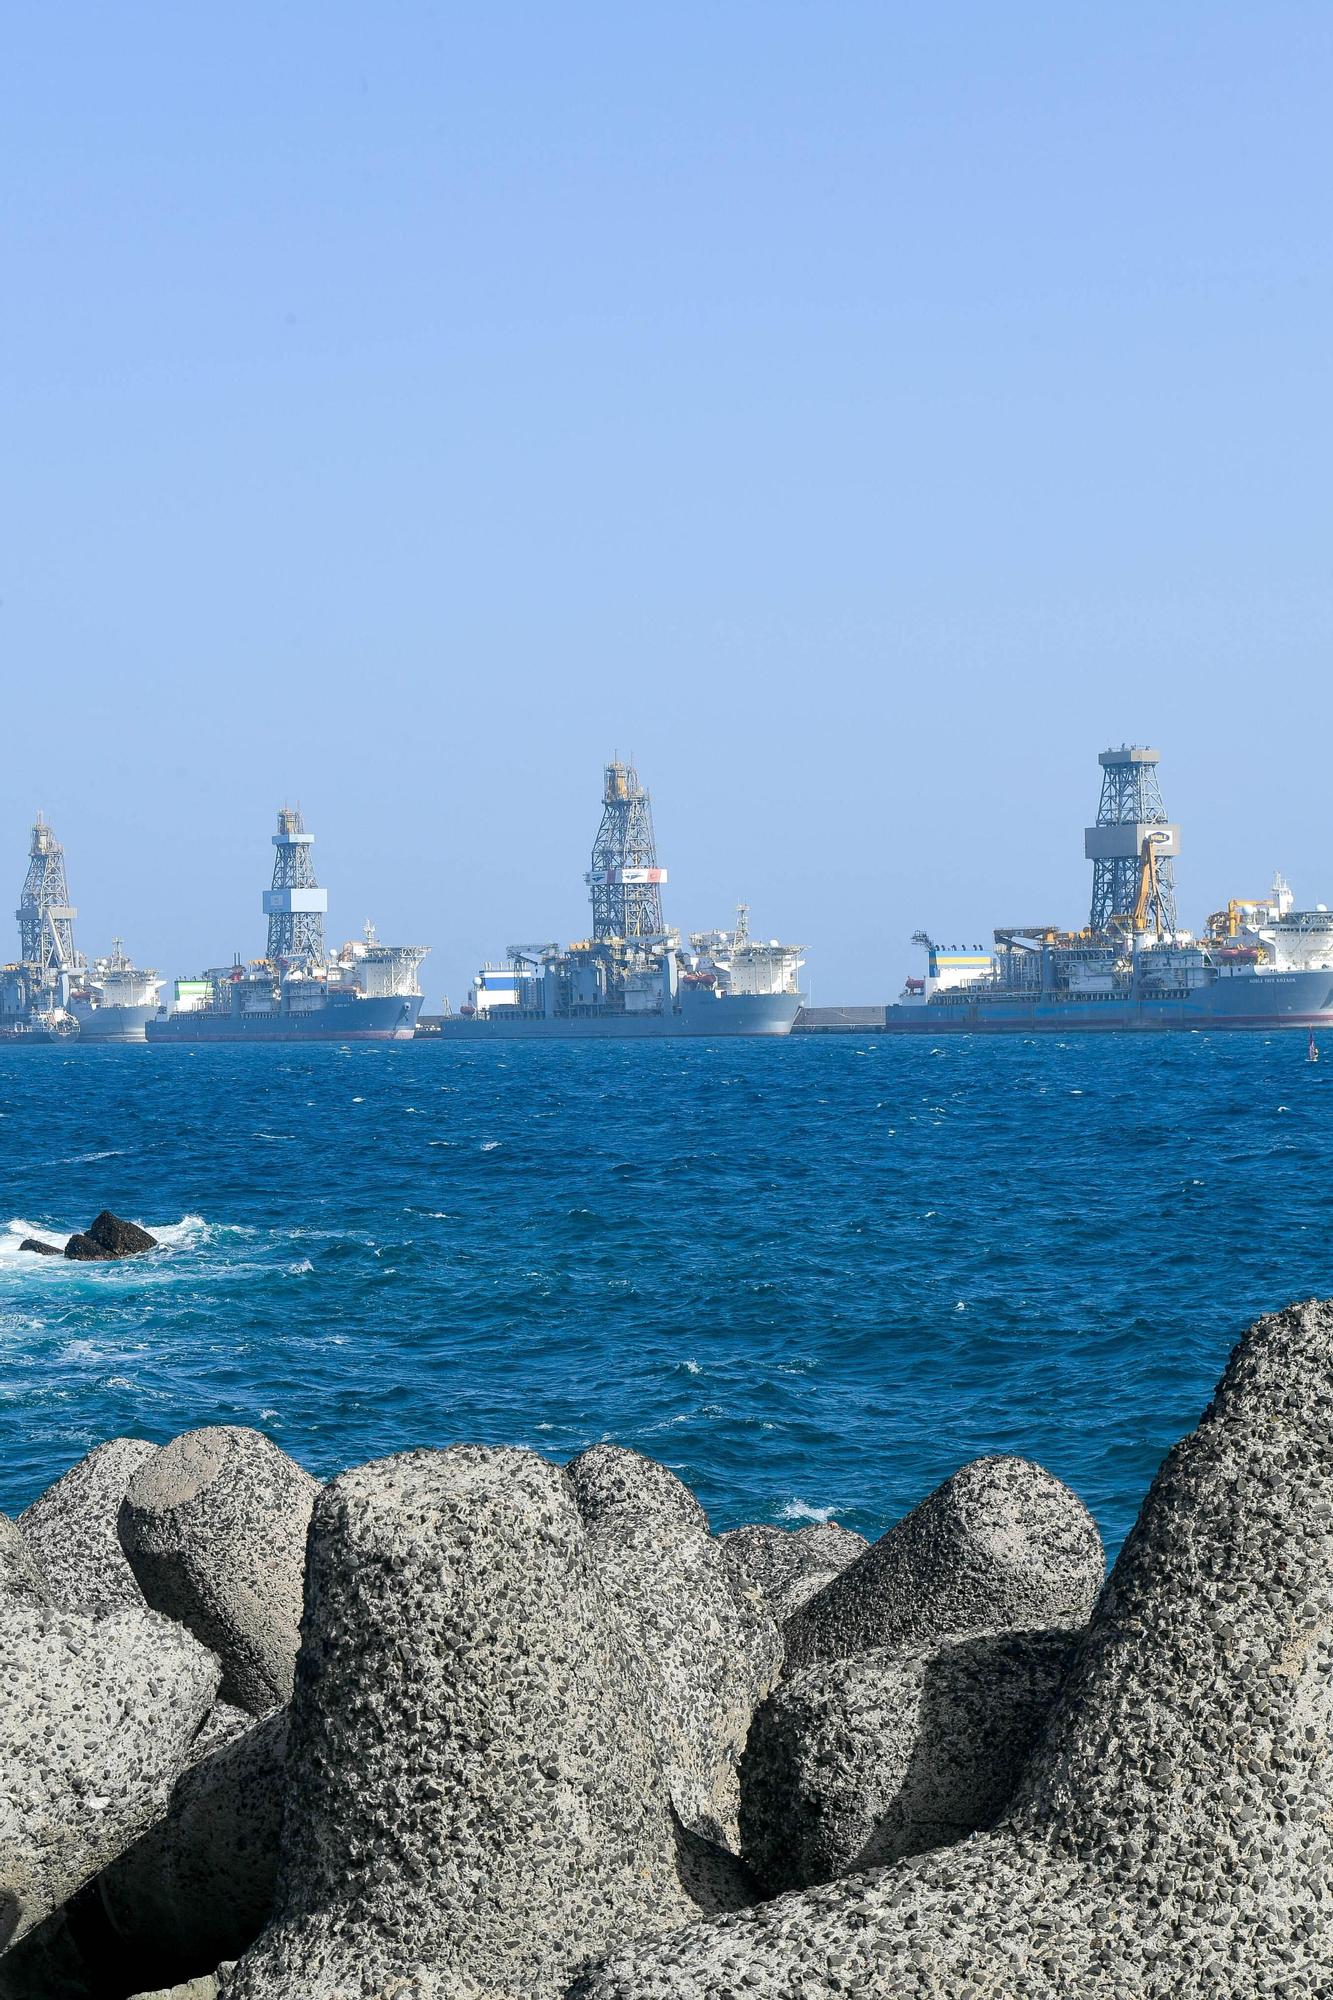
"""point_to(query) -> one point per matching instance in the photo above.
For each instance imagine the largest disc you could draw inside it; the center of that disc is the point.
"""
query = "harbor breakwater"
(468, 1723)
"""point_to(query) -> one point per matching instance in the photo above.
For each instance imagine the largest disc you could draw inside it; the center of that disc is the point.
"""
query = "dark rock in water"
(41, 1249)
(83, 1250)
(1173, 1832)
(119, 1238)
(854, 1763)
(105, 1238)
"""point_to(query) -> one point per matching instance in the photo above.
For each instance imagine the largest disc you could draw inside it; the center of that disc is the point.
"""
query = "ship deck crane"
(1150, 893)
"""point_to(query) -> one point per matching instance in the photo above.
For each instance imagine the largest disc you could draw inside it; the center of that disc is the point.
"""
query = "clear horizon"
(864, 418)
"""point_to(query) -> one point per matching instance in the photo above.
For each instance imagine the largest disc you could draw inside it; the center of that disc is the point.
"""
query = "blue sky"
(863, 414)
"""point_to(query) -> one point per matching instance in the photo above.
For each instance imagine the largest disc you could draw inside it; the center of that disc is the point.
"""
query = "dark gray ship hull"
(699, 1014)
(391, 1019)
(1249, 999)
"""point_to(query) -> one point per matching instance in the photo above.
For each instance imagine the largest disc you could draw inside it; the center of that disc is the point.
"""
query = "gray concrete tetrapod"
(471, 1784)
(1174, 1832)
(707, 1645)
(214, 1525)
(71, 1528)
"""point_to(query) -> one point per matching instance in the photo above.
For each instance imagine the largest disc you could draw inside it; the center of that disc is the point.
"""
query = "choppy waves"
(191, 1232)
(814, 1277)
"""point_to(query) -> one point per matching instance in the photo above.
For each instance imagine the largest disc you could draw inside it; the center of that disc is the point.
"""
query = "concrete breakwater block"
(22, 1579)
(788, 1565)
(197, 1887)
(1173, 1832)
(854, 1763)
(707, 1647)
(999, 1545)
(214, 1527)
(96, 1719)
(472, 1786)
(71, 1529)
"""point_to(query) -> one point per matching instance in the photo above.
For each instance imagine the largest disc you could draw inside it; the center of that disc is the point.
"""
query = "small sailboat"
(1312, 1050)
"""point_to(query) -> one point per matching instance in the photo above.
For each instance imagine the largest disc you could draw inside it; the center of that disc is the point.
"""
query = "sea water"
(812, 1276)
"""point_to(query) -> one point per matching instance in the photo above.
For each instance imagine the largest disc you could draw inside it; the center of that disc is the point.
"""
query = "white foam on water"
(189, 1229)
(81, 1350)
(801, 1510)
(182, 1235)
(13, 1232)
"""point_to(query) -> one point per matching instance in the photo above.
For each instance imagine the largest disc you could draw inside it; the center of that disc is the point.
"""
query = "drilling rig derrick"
(1131, 824)
(295, 905)
(624, 878)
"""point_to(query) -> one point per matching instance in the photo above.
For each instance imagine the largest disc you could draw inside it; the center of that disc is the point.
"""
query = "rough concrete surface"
(999, 1545)
(708, 1647)
(96, 1718)
(1173, 1834)
(472, 1787)
(853, 1763)
(197, 1887)
(22, 1578)
(788, 1565)
(71, 1528)
(214, 1526)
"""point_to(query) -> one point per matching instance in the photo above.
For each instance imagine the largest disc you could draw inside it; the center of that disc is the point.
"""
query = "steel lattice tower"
(625, 879)
(45, 914)
(1130, 808)
(295, 905)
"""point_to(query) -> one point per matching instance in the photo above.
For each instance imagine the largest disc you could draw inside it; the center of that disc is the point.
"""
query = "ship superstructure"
(1258, 963)
(365, 991)
(115, 999)
(632, 976)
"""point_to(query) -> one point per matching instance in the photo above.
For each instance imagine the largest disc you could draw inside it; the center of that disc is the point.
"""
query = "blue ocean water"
(813, 1277)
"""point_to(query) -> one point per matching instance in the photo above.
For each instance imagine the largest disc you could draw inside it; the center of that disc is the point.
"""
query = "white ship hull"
(113, 1023)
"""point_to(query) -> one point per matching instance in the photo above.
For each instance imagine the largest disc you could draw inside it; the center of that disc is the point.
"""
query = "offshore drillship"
(632, 977)
(49, 994)
(367, 991)
(1258, 963)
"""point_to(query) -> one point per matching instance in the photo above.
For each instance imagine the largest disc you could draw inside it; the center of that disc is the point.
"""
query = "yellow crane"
(1149, 892)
